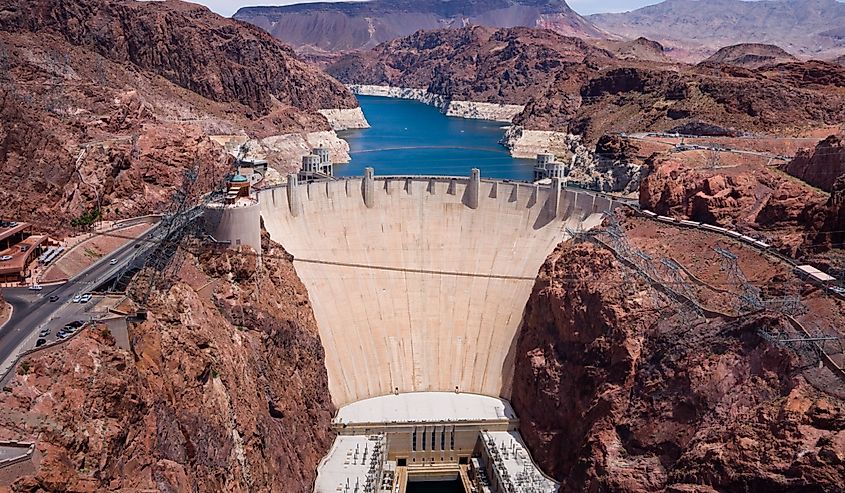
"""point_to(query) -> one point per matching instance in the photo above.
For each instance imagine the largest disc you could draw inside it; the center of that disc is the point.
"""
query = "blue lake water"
(412, 138)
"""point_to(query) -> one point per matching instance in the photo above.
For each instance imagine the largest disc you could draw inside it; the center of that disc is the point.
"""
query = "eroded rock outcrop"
(225, 389)
(616, 393)
(830, 221)
(820, 167)
(750, 55)
(747, 198)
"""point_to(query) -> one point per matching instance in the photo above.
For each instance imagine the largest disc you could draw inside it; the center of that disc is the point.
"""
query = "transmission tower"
(749, 299)
(689, 308)
(713, 160)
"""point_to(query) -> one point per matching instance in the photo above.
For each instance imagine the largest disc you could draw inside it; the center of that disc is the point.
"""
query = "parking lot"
(69, 315)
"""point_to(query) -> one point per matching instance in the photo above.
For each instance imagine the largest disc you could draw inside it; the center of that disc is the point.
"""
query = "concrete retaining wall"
(238, 225)
(419, 283)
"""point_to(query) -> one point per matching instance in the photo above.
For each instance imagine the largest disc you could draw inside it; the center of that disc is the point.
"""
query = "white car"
(36, 287)
(5, 258)
(85, 298)
(113, 261)
(77, 298)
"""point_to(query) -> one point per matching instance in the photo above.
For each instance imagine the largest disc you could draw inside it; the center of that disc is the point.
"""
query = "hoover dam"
(418, 286)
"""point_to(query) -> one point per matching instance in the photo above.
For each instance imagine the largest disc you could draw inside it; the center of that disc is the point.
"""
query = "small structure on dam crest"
(316, 166)
(235, 220)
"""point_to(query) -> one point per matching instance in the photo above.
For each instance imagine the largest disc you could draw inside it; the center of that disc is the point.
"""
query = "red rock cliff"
(821, 166)
(616, 394)
(744, 196)
(225, 389)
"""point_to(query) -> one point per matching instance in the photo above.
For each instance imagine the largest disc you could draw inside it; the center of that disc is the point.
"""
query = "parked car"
(5, 258)
(40, 342)
(85, 298)
(54, 298)
(61, 335)
(44, 333)
(77, 298)
(36, 287)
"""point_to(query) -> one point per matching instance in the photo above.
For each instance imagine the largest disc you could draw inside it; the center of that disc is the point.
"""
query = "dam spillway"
(418, 284)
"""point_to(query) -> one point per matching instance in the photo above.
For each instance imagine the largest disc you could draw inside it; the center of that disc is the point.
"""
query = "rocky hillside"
(224, 390)
(345, 26)
(619, 389)
(103, 76)
(571, 85)
(745, 197)
(219, 59)
(750, 55)
(696, 29)
(637, 49)
(507, 66)
(784, 100)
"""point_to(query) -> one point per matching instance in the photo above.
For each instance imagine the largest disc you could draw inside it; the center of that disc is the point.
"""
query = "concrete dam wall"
(419, 284)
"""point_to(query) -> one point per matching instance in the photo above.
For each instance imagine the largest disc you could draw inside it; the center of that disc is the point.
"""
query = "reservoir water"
(412, 138)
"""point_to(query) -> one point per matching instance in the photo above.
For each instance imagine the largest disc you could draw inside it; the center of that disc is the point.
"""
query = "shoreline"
(521, 143)
(450, 107)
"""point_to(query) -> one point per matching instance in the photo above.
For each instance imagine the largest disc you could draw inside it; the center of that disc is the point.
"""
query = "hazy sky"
(228, 7)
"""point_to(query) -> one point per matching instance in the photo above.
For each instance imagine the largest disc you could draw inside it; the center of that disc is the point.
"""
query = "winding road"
(32, 309)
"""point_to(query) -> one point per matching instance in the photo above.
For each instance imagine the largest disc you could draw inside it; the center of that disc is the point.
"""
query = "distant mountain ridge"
(805, 28)
(345, 26)
(591, 89)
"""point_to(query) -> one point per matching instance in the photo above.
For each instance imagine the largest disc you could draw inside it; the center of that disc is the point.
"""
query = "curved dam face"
(419, 284)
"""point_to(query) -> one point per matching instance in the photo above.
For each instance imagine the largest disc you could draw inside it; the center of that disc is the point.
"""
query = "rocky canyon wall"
(97, 111)
(616, 392)
(225, 389)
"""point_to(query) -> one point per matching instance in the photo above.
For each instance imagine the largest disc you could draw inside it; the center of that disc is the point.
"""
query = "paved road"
(33, 309)
(7, 453)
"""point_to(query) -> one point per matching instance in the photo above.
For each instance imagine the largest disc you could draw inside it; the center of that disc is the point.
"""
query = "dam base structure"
(418, 285)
